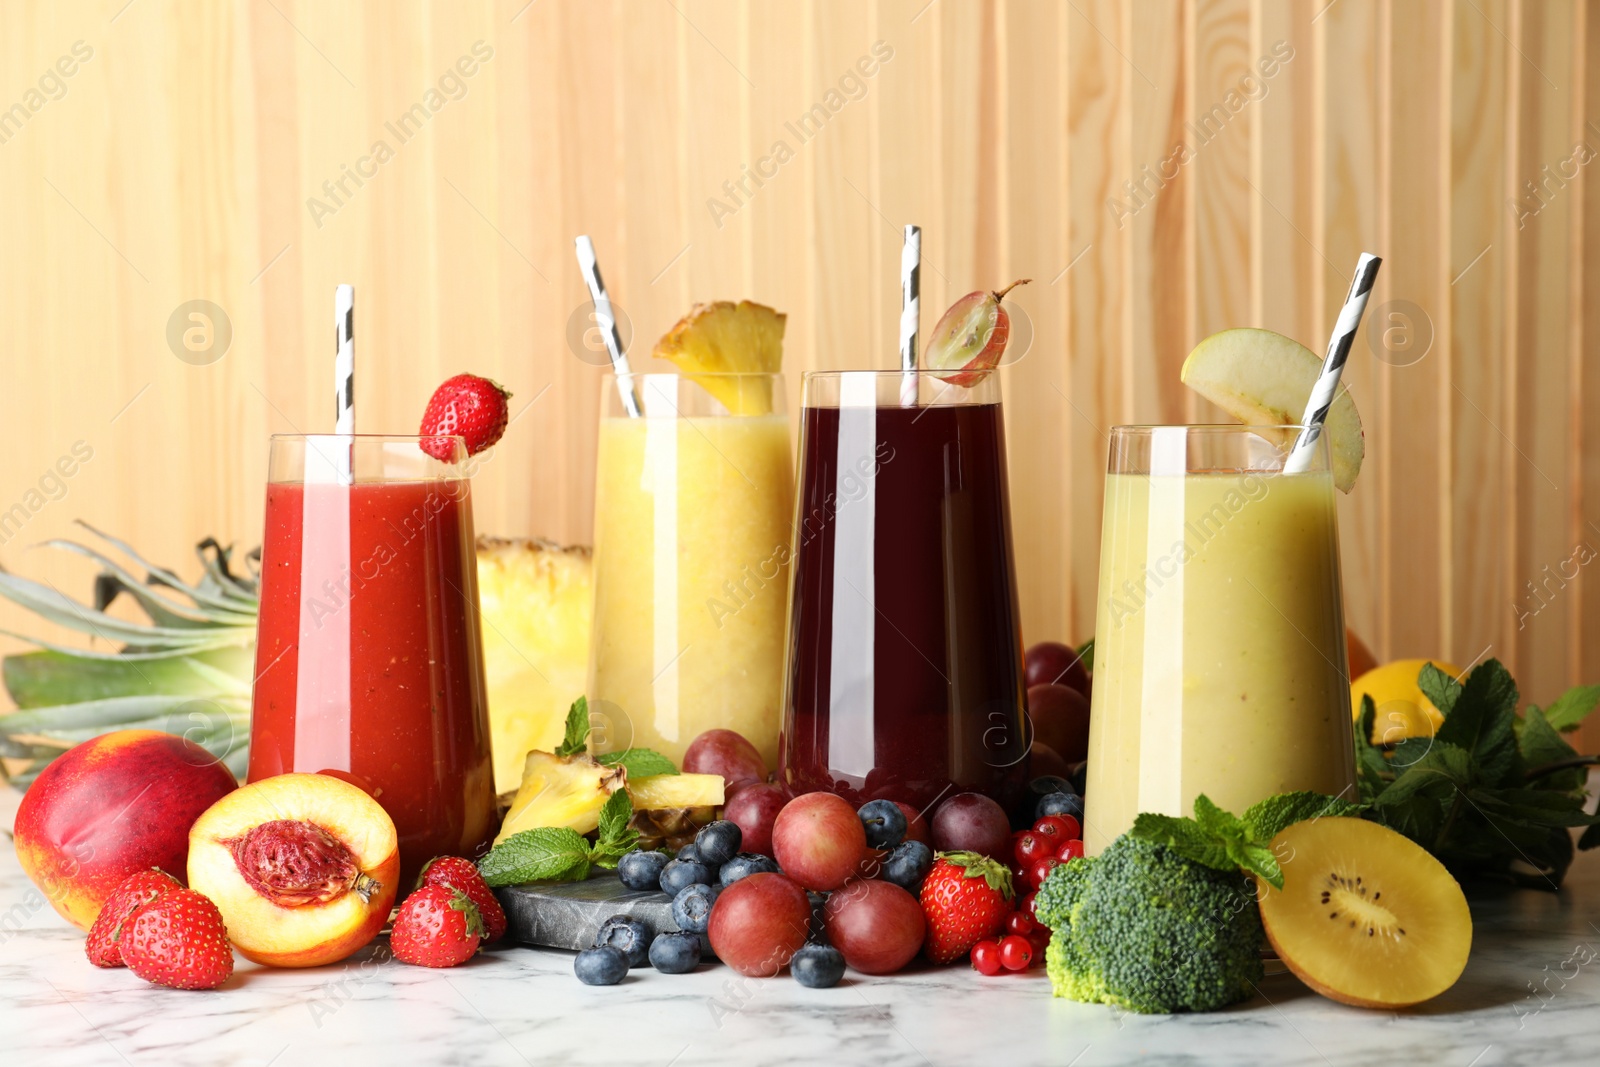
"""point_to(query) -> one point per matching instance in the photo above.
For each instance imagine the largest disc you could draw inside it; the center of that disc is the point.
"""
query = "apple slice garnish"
(971, 336)
(1263, 378)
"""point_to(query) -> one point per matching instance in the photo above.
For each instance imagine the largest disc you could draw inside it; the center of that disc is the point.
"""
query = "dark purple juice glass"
(905, 676)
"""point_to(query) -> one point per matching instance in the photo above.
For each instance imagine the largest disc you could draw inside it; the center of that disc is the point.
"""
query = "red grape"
(971, 822)
(876, 925)
(818, 840)
(1031, 848)
(1060, 717)
(728, 754)
(1056, 829)
(1070, 851)
(754, 809)
(758, 923)
(1050, 662)
(986, 958)
(1016, 952)
(1041, 870)
(916, 825)
(1044, 760)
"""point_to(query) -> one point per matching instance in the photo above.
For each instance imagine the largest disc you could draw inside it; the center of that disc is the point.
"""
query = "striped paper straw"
(344, 373)
(1327, 386)
(608, 324)
(910, 312)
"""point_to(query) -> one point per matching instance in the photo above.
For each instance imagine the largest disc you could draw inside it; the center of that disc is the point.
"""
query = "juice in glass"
(905, 665)
(1219, 637)
(369, 662)
(691, 558)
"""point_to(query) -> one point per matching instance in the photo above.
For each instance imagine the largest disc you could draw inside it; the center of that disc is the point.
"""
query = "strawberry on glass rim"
(971, 336)
(467, 406)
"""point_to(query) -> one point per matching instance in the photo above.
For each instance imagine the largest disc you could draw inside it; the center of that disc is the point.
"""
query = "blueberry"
(689, 853)
(679, 873)
(718, 842)
(744, 865)
(1046, 784)
(641, 870)
(817, 966)
(1059, 804)
(908, 865)
(691, 908)
(885, 823)
(675, 953)
(628, 936)
(600, 966)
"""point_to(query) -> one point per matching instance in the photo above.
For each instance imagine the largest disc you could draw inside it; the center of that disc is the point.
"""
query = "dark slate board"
(568, 914)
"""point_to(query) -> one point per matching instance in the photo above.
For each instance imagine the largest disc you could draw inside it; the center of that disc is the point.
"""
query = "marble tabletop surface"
(1530, 995)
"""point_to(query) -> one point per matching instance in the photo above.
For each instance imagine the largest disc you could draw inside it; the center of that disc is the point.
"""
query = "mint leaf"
(576, 741)
(1214, 820)
(1540, 745)
(1086, 653)
(1260, 861)
(639, 762)
(1270, 817)
(1440, 689)
(1437, 776)
(1572, 707)
(544, 854)
(1480, 722)
(1185, 837)
(614, 839)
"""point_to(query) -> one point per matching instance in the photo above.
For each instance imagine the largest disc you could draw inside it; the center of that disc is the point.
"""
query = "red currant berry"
(1057, 828)
(986, 958)
(1019, 923)
(1021, 877)
(1040, 940)
(1016, 953)
(1041, 870)
(1025, 905)
(1031, 848)
(1070, 851)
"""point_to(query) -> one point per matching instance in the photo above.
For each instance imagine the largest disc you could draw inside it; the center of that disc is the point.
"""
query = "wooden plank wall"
(181, 158)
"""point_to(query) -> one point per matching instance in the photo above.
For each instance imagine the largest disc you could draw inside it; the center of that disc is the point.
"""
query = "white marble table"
(521, 1006)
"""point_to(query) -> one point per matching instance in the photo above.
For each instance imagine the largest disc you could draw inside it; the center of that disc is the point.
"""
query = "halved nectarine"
(304, 867)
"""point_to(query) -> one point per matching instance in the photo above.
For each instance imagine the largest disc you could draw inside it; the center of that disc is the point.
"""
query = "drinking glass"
(369, 660)
(693, 498)
(905, 676)
(1219, 656)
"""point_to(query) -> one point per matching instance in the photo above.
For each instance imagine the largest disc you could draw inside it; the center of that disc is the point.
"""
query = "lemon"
(1402, 709)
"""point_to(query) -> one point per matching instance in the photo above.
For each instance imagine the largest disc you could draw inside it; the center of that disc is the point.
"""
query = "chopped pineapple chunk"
(659, 791)
(561, 791)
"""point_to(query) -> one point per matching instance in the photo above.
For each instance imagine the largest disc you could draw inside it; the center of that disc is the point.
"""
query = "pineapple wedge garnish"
(660, 792)
(728, 338)
(561, 791)
(536, 599)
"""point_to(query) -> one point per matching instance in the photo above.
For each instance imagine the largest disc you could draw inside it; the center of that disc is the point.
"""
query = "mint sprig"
(638, 762)
(560, 853)
(576, 741)
(1218, 839)
(1491, 793)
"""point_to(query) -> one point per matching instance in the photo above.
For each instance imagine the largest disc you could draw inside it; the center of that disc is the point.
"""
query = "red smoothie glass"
(905, 677)
(369, 660)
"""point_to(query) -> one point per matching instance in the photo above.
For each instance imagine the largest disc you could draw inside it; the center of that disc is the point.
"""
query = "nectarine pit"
(293, 863)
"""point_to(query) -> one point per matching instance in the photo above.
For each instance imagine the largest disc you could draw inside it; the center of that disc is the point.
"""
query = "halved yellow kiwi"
(1366, 916)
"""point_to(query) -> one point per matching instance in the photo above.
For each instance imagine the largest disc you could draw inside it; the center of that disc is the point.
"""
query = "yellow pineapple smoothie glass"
(1219, 657)
(693, 503)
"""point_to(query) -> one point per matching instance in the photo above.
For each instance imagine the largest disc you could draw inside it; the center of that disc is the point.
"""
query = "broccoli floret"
(1144, 928)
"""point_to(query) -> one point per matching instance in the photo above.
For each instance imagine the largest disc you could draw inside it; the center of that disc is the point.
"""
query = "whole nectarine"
(115, 804)
(303, 866)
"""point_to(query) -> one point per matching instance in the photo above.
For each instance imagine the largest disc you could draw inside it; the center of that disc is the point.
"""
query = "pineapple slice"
(728, 338)
(561, 791)
(537, 599)
(666, 791)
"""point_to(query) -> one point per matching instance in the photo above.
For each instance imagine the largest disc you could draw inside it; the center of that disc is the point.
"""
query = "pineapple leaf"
(105, 714)
(161, 610)
(225, 638)
(42, 679)
(61, 609)
(217, 562)
(164, 576)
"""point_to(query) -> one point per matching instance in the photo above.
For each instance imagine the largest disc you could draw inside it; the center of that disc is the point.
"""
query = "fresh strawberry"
(137, 890)
(461, 874)
(472, 407)
(965, 898)
(438, 926)
(178, 940)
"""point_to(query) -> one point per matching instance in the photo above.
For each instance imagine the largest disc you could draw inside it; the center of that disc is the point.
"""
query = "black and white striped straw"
(910, 311)
(607, 321)
(1327, 385)
(344, 379)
